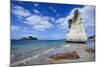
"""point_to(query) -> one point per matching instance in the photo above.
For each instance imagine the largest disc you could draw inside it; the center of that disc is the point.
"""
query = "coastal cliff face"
(76, 29)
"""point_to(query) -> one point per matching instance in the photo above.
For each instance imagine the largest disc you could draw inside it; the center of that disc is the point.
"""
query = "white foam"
(23, 61)
(65, 46)
(48, 51)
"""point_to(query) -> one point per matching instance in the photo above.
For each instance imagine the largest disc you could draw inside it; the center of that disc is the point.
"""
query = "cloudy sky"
(47, 21)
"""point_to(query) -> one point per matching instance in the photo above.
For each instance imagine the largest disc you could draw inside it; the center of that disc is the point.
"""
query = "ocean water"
(21, 49)
(18, 44)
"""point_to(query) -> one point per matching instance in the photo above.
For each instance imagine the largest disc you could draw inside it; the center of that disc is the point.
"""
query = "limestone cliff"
(76, 29)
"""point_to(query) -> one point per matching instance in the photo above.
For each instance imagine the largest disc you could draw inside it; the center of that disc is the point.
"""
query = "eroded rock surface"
(76, 29)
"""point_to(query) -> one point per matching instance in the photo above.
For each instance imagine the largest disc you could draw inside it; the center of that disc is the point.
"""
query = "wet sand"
(42, 56)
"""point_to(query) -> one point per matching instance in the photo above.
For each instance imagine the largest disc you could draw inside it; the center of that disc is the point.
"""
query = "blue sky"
(47, 21)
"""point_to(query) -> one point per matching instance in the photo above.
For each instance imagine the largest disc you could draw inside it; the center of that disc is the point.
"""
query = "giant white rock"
(76, 29)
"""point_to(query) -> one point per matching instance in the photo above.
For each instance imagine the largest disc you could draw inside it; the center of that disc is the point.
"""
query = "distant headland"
(29, 38)
(91, 37)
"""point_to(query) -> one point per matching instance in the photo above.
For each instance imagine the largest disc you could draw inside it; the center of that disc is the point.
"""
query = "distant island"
(29, 38)
(91, 37)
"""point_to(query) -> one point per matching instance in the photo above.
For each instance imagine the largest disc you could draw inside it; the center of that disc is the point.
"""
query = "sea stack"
(76, 30)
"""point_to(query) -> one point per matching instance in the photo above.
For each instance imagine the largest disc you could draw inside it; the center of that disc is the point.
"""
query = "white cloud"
(52, 19)
(26, 30)
(20, 11)
(39, 23)
(62, 23)
(15, 28)
(19, 29)
(36, 11)
(88, 15)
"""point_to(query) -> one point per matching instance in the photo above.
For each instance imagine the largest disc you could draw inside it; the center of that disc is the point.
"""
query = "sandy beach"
(42, 57)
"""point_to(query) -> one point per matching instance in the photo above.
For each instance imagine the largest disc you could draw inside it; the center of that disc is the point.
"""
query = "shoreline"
(42, 58)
